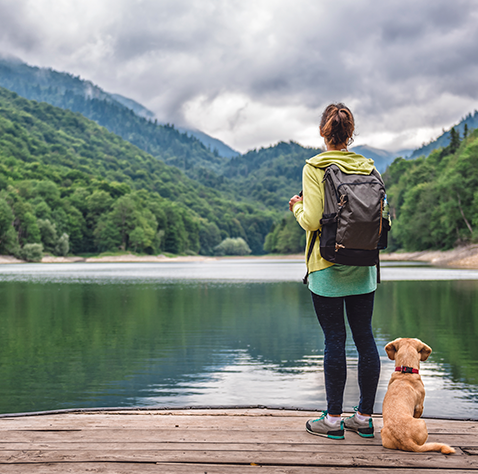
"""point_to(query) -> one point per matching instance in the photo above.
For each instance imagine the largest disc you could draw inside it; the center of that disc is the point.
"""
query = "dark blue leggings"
(330, 313)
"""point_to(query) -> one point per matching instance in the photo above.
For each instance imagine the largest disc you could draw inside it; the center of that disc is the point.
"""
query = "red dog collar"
(406, 370)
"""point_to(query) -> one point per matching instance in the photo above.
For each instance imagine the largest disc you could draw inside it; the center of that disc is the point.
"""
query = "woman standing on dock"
(333, 285)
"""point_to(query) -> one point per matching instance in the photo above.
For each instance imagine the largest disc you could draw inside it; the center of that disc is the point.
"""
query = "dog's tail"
(444, 448)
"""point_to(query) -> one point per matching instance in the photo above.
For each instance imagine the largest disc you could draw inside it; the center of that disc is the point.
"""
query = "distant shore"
(130, 258)
(462, 257)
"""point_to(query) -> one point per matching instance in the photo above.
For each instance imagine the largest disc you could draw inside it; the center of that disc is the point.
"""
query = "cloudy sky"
(254, 72)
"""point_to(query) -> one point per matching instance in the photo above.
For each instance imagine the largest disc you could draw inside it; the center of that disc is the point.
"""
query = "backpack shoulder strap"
(309, 253)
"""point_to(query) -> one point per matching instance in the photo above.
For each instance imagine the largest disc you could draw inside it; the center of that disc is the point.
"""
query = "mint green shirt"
(343, 280)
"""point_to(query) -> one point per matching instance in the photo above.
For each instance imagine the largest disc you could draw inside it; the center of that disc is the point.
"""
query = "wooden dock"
(214, 441)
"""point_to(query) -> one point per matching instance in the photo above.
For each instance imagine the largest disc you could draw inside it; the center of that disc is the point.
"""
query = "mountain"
(434, 199)
(29, 80)
(381, 158)
(136, 107)
(212, 143)
(118, 114)
(273, 174)
(217, 146)
(62, 174)
(471, 123)
(269, 175)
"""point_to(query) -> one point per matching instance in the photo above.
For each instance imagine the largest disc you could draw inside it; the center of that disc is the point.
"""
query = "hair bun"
(337, 124)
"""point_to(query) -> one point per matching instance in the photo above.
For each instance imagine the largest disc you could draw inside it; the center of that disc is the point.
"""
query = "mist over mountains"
(211, 142)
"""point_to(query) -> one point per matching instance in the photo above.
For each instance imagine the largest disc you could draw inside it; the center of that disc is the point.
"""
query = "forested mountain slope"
(274, 174)
(269, 175)
(61, 173)
(469, 123)
(434, 200)
(211, 143)
(113, 112)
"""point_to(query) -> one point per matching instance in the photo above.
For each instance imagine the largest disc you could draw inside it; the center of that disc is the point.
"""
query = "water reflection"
(143, 338)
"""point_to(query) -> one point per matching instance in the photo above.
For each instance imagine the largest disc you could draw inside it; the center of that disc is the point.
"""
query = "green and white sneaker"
(321, 427)
(363, 428)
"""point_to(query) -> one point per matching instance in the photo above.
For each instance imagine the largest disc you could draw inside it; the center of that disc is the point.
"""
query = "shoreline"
(130, 258)
(462, 257)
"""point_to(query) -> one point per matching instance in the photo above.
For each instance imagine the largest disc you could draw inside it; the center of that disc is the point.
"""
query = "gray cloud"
(255, 72)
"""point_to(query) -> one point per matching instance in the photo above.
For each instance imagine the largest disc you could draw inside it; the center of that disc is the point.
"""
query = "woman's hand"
(293, 200)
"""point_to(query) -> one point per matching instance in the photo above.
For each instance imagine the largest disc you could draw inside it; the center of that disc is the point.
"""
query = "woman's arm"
(308, 210)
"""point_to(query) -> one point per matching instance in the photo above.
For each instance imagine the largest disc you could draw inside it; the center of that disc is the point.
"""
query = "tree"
(123, 215)
(107, 236)
(454, 141)
(138, 240)
(8, 236)
(48, 233)
(29, 231)
(231, 246)
(286, 237)
(63, 246)
(209, 237)
(32, 252)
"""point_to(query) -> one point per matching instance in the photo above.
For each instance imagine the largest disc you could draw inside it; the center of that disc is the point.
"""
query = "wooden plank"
(361, 458)
(198, 421)
(211, 436)
(225, 441)
(164, 468)
(203, 435)
(188, 446)
(141, 445)
(255, 412)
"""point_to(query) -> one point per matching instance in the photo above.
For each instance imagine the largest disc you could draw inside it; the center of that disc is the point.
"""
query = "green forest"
(434, 200)
(66, 91)
(68, 185)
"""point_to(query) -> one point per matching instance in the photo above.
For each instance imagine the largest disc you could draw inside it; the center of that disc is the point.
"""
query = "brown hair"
(337, 124)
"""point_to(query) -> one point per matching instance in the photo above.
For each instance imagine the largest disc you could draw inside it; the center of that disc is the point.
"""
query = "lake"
(216, 333)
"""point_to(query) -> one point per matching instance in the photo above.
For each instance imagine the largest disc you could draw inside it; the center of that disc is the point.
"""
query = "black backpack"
(354, 227)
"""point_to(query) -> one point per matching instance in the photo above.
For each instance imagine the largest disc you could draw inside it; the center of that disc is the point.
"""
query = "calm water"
(215, 333)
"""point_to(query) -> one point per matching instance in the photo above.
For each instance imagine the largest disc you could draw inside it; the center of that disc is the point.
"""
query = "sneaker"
(363, 428)
(321, 427)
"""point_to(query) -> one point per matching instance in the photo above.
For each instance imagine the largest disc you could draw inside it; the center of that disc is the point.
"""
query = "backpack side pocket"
(327, 237)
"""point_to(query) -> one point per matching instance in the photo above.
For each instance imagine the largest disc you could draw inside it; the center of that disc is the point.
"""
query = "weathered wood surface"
(214, 441)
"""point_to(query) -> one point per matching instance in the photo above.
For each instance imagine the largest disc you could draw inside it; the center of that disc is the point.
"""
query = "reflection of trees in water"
(80, 343)
(84, 344)
(444, 314)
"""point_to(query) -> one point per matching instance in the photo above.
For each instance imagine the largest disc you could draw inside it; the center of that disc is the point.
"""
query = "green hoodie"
(309, 211)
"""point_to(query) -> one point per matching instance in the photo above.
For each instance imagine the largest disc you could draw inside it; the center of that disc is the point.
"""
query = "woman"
(334, 285)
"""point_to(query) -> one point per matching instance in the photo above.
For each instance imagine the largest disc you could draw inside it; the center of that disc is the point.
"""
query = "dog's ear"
(424, 351)
(392, 348)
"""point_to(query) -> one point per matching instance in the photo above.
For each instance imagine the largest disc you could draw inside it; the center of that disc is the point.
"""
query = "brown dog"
(403, 402)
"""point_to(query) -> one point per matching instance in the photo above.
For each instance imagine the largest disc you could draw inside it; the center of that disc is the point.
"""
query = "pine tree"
(454, 141)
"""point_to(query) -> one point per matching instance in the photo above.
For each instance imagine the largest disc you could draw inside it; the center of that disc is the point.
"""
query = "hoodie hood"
(347, 161)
